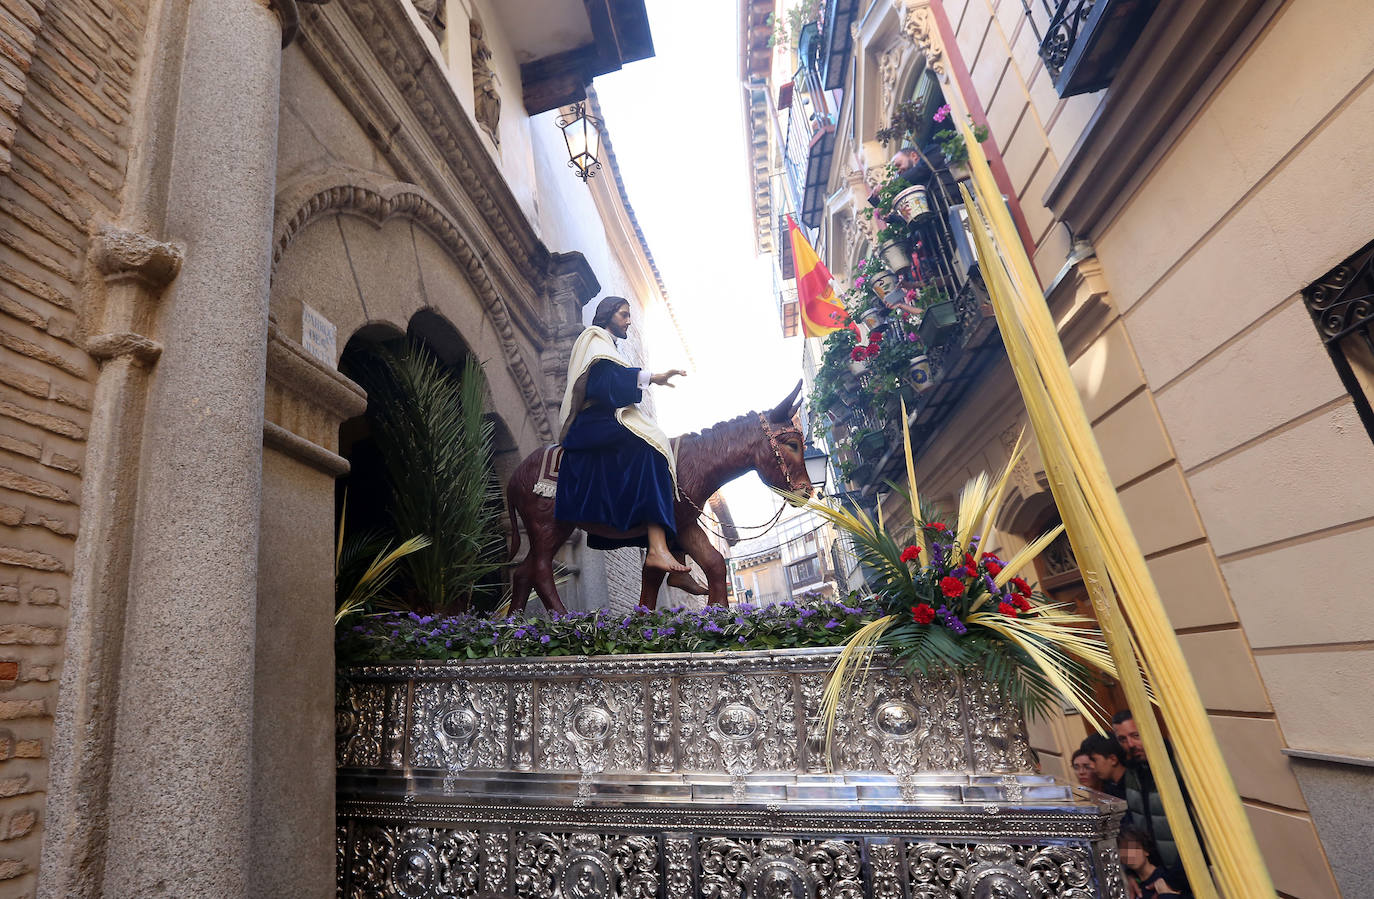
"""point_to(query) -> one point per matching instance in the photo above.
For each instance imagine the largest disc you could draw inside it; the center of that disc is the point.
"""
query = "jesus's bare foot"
(663, 561)
(687, 584)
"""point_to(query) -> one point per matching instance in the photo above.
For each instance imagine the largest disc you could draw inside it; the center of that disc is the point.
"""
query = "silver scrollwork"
(591, 726)
(661, 737)
(737, 724)
(585, 866)
(997, 735)
(358, 722)
(459, 725)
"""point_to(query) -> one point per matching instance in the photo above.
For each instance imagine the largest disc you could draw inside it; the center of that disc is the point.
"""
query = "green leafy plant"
(906, 121)
(783, 625)
(952, 144)
(435, 442)
(789, 27)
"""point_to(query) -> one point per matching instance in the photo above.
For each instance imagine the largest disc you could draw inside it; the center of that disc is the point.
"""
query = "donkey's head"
(778, 455)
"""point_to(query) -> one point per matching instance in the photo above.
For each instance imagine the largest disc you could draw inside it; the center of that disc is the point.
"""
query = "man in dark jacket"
(1144, 805)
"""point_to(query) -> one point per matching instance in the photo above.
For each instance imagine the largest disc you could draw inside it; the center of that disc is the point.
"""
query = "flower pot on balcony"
(861, 473)
(857, 367)
(960, 171)
(892, 329)
(920, 373)
(908, 393)
(895, 255)
(873, 317)
(912, 204)
(848, 388)
(871, 446)
(883, 283)
(939, 319)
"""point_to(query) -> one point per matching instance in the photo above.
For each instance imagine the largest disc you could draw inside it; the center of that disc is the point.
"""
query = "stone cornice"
(377, 200)
(291, 366)
(382, 69)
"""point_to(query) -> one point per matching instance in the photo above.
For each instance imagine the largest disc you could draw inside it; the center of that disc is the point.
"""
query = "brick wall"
(66, 71)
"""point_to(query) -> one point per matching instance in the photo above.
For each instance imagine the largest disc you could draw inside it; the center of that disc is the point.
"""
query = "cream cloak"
(593, 345)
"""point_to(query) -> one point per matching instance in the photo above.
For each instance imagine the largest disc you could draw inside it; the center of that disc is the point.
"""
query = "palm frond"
(917, 518)
(973, 502)
(1025, 555)
(858, 649)
(1051, 656)
(995, 503)
(371, 584)
(436, 443)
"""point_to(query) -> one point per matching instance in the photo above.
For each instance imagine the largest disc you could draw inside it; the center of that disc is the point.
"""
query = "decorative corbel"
(135, 270)
(918, 24)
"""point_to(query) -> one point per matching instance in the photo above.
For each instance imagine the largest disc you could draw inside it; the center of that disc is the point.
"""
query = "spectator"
(1144, 805)
(1109, 763)
(1085, 772)
(1128, 735)
(1144, 878)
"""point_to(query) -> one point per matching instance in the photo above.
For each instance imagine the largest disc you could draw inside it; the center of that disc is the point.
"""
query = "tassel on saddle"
(547, 485)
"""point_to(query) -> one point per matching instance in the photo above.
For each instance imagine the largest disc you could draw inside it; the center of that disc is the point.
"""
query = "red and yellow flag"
(821, 311)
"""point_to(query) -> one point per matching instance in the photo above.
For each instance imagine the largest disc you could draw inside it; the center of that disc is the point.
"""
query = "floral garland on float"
(945, 602)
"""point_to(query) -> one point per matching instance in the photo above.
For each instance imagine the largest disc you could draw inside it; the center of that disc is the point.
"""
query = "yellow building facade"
(1200, 223)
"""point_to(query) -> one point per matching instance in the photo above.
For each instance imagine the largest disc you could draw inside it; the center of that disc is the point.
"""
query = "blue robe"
(609, 475)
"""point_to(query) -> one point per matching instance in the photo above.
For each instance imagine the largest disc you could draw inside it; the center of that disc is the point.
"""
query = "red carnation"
(858, 354)
(937, 526)
(1021, 603)
(993, 567)
(951, 587)
(875, 337)
(1021, 586)
(910, 553)
(923, 614)
(1006, 608)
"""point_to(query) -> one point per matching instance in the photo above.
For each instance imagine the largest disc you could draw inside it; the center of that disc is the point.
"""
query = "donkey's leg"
(520, 585)
(698, 546)
(545, 540)
(649, 583)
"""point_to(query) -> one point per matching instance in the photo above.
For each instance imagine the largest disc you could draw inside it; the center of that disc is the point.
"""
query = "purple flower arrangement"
(784, 625)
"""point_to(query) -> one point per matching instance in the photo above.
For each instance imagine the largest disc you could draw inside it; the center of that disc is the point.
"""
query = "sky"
(677, 123)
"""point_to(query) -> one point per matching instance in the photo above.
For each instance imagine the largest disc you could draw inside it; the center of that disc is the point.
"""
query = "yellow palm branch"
(844, 673)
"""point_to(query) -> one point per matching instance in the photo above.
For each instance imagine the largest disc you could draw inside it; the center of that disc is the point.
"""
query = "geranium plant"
(951, 141)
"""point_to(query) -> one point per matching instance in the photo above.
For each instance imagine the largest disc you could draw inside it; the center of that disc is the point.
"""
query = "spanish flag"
(821, 311)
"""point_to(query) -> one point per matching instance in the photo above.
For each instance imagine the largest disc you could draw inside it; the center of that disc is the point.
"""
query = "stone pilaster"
(293, 684)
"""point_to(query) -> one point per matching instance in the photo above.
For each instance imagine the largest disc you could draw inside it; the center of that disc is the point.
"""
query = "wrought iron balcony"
(1083, 42)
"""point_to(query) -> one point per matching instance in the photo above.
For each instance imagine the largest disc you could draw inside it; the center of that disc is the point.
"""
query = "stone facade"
(168, 445)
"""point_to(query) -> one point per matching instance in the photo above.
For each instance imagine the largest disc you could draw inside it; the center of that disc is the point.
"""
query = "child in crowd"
(1145, 879)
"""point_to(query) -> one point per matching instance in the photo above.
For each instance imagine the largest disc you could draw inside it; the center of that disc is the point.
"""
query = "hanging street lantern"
(817, 463)
(582, 133)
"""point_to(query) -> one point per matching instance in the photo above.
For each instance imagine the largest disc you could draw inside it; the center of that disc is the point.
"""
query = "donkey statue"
(767, 442)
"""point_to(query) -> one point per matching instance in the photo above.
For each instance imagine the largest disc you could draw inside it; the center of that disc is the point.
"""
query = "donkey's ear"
(782, 413)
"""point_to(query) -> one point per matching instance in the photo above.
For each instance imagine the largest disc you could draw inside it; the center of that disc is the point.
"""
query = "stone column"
(179, 811)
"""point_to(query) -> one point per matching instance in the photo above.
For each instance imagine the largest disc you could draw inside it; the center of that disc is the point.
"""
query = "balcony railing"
(810, 130)
(1082, 42)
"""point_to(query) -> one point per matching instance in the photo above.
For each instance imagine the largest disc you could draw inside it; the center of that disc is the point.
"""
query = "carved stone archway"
(377, 200)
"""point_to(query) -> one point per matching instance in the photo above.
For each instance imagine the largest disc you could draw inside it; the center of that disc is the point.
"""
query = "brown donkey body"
(769, 443)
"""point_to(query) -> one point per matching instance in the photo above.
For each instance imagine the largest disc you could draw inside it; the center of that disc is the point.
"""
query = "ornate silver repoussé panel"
(700, 777)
